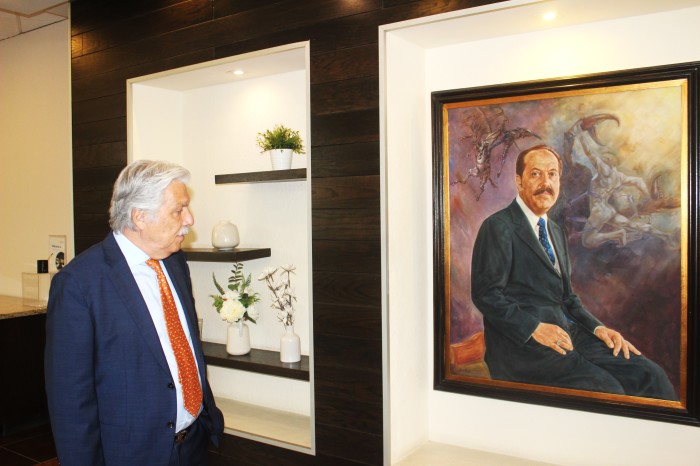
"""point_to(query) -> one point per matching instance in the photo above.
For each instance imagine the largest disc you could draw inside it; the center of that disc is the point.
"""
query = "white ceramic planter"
(281, 159)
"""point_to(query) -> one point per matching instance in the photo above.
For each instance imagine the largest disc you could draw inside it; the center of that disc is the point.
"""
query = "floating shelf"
(258, 360)
(268, 176)
(234, 255)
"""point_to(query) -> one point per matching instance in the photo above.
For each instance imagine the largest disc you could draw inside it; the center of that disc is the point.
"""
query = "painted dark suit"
(103, 348)
(516, 287)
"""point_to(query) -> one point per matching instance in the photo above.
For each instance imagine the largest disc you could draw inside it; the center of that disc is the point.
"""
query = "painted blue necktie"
(545, 241)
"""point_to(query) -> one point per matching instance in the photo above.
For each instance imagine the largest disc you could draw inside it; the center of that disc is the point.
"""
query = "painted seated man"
(536, 328)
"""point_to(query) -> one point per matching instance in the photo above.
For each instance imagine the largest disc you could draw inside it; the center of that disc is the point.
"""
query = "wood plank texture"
(95, 202)
(346, 224)
(345, 96)
(95, 178)
(348, 384)
(232, 7)
(94, 225)
(353, 192)
(345, 160)
(349, 63)
(88, 15)
(158, 21)
(346, 256)
(344, 443)
(348, 321)
(100, 155)
(348, 353)
(358, 415)
(350, 289)
(107, 107)
(345, 128)
(115, 40)
(99, 131)
(104, 83)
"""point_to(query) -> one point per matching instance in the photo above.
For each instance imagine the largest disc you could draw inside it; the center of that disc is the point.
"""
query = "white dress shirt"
(147, 281)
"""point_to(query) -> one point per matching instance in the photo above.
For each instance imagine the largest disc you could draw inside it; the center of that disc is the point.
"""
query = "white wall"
(219, 138)
(36, 193)
(157, 123)
(418, 413)
(408, 246)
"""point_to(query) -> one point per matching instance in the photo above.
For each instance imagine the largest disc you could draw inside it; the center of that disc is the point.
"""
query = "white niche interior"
(206, 118)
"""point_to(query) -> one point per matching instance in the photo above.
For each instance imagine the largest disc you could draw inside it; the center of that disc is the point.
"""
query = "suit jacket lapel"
(559, 243)
(129, 291)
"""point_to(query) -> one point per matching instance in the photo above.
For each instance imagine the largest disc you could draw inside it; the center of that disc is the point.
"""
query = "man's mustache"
(543, 190)
(184, 231)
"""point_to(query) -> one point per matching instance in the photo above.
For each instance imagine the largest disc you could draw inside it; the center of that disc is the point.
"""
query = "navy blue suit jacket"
(111, 395)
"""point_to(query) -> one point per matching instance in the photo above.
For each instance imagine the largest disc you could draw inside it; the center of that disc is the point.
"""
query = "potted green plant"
(281, 142)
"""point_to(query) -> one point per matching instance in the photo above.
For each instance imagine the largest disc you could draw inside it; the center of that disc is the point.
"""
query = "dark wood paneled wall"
(116, 40)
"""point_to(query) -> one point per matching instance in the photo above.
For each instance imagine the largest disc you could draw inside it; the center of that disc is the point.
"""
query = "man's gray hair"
(141, 186)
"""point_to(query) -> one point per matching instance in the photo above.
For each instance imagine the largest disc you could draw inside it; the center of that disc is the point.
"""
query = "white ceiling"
(268, 62)
(20, 16)
(523, 16)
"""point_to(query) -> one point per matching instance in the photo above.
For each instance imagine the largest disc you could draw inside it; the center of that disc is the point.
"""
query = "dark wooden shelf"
(233, 255)
(258, 360)
(268, 176)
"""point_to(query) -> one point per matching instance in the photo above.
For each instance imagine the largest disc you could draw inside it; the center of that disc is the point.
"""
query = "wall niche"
(206, 117)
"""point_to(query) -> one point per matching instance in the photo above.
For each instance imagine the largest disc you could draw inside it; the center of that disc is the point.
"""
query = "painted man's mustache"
(546, 189)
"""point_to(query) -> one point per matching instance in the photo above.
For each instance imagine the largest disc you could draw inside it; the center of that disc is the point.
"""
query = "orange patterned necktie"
(186, 366)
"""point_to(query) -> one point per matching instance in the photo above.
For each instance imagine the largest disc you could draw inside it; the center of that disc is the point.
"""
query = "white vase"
(225, 235)
(238, 339)
(290, 345)
(281, 159)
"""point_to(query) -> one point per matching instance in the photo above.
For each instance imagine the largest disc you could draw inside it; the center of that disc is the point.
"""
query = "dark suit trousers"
(592, 366)
(193, 451)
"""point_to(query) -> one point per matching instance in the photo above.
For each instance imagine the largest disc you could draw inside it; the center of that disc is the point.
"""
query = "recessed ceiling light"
(235, 72)
(549, 16)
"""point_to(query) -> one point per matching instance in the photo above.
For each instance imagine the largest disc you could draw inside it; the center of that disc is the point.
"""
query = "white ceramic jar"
(225, 235)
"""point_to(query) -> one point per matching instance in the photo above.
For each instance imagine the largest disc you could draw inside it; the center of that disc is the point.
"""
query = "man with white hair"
(125, 372)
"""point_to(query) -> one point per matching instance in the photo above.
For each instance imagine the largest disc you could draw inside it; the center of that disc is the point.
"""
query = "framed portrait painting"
(624, 234)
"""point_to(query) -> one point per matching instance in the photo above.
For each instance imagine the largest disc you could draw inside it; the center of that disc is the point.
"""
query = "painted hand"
(554, 337)
(614, 340)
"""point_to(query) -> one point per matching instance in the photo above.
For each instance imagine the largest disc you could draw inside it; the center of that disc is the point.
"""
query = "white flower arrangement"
(281, 291)
(237, 303)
